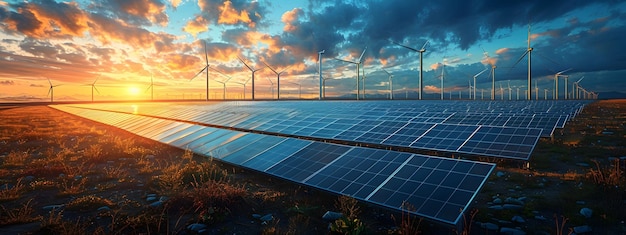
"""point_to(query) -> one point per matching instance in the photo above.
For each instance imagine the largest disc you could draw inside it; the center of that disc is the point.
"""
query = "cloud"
(46, 19)
(7, 83)
(198, 25)
(229, 15)
(136, 12)
(289, 17)
(36, 85)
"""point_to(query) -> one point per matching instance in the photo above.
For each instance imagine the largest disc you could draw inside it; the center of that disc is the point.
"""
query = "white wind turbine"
(206, 67)
(545, 93)
(93, 87)
(421, 52)
(358, 65)
(529, 52)
(442, 76)
(51, 90)
(509, 89)
(277, 79)
(319, 58)
(151, 87)
(469, 85)
(575, 88)
(271, 87)
(536, 91)
(478, 74)
(223, 82)
(299, 89)
(501, 92)
(390, 79)
(556, 83)
(251, 70)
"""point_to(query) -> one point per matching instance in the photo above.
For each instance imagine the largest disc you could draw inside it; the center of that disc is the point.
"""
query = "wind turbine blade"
(407, 47)
(262, 67)
(95, 88)
(49, 81)
(580, 79)
(361, 57)
(94, 82)
(49, 90)
(347, 61)
(564, 71)
(520, 59)
(269, 67)
(244, 63)
(424, 46)
(387, 72)
(284, 69)
(206, 55)
(199, 73)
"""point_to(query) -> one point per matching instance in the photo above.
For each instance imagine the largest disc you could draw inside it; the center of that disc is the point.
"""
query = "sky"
(128, 47)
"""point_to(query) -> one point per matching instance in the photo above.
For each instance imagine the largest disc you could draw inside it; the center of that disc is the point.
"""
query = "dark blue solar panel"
(307, 161)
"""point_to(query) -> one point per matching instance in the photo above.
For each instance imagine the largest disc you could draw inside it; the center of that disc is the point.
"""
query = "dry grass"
(20, 215)
(14, 192)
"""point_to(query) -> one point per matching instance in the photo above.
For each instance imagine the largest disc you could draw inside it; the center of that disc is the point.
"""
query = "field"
(61, 174)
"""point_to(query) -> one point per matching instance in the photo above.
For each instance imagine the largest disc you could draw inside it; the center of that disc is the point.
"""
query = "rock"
(500, 174)
(149, 199)
(156, 204)
(512, 231)
(497, 201)
(582, 229)
(332, 216)
(510, 200)
(518, 219)
(256, 216)
(540, 217)
(199, 228)
(586, 212)
(522, 199)
(582, 164)
(267, 218)
(151, 195)
(511, 207)
(163, 198)
(28, 179)
(490, 226)
(104, 208)
(496, 207)
(52, 207)
(150, 157)
(78, 177)
(580, 202)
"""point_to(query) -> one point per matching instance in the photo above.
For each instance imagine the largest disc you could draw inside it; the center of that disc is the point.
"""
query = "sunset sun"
(133, 91)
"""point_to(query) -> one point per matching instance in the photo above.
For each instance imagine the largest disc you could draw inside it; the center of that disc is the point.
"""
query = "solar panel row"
(440, 189)
(406, 128)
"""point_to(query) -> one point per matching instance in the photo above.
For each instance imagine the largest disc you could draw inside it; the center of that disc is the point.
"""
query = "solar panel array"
(497, 129)
(440, 189)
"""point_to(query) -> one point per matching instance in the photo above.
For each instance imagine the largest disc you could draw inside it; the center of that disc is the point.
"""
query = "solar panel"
(366, 174)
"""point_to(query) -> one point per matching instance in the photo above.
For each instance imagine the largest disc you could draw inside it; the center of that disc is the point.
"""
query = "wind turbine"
(51, 90)
(390, 78)
(421, 52)
(251, 70)
(536, 91)
(478, 74)
(319, 58)
(271, 87)
(529, 51)
(206, 67)
(469, 84)
(501, 92)
(556, 83)
(575, 84)
(277, 80)
(151, 87)
(358, 71)
(299, 89)
(509, 89)
(93, 87)
(223, 82)
(442, 77)
(545, 93)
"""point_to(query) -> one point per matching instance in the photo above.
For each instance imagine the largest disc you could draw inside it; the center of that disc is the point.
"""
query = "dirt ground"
(62, 174)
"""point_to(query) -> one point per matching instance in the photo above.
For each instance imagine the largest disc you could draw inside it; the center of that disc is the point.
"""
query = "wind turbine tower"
(277, 79)
(478, 74)
(93, 87)
(206, 67)
(556, 84)
(390, 78)
(358, 71)
(421, 52)
(251, 70)
(319, 58)
(51, 90)
(529, 51)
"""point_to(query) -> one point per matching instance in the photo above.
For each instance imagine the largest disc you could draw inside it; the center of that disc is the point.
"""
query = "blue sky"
(124, 43)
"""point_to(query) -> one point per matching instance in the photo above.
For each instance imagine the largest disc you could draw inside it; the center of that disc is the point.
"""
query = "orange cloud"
(502, 51)
(436, 66)
(289, 17)
(229, 15)
(197, 25)
(57, 20)
(431, 89)
(150, 10)
(175, 3)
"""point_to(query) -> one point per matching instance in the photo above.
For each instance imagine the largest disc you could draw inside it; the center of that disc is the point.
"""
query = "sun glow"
(134, 91)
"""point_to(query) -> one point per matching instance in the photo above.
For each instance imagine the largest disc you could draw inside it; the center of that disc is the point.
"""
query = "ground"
(62, 174)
